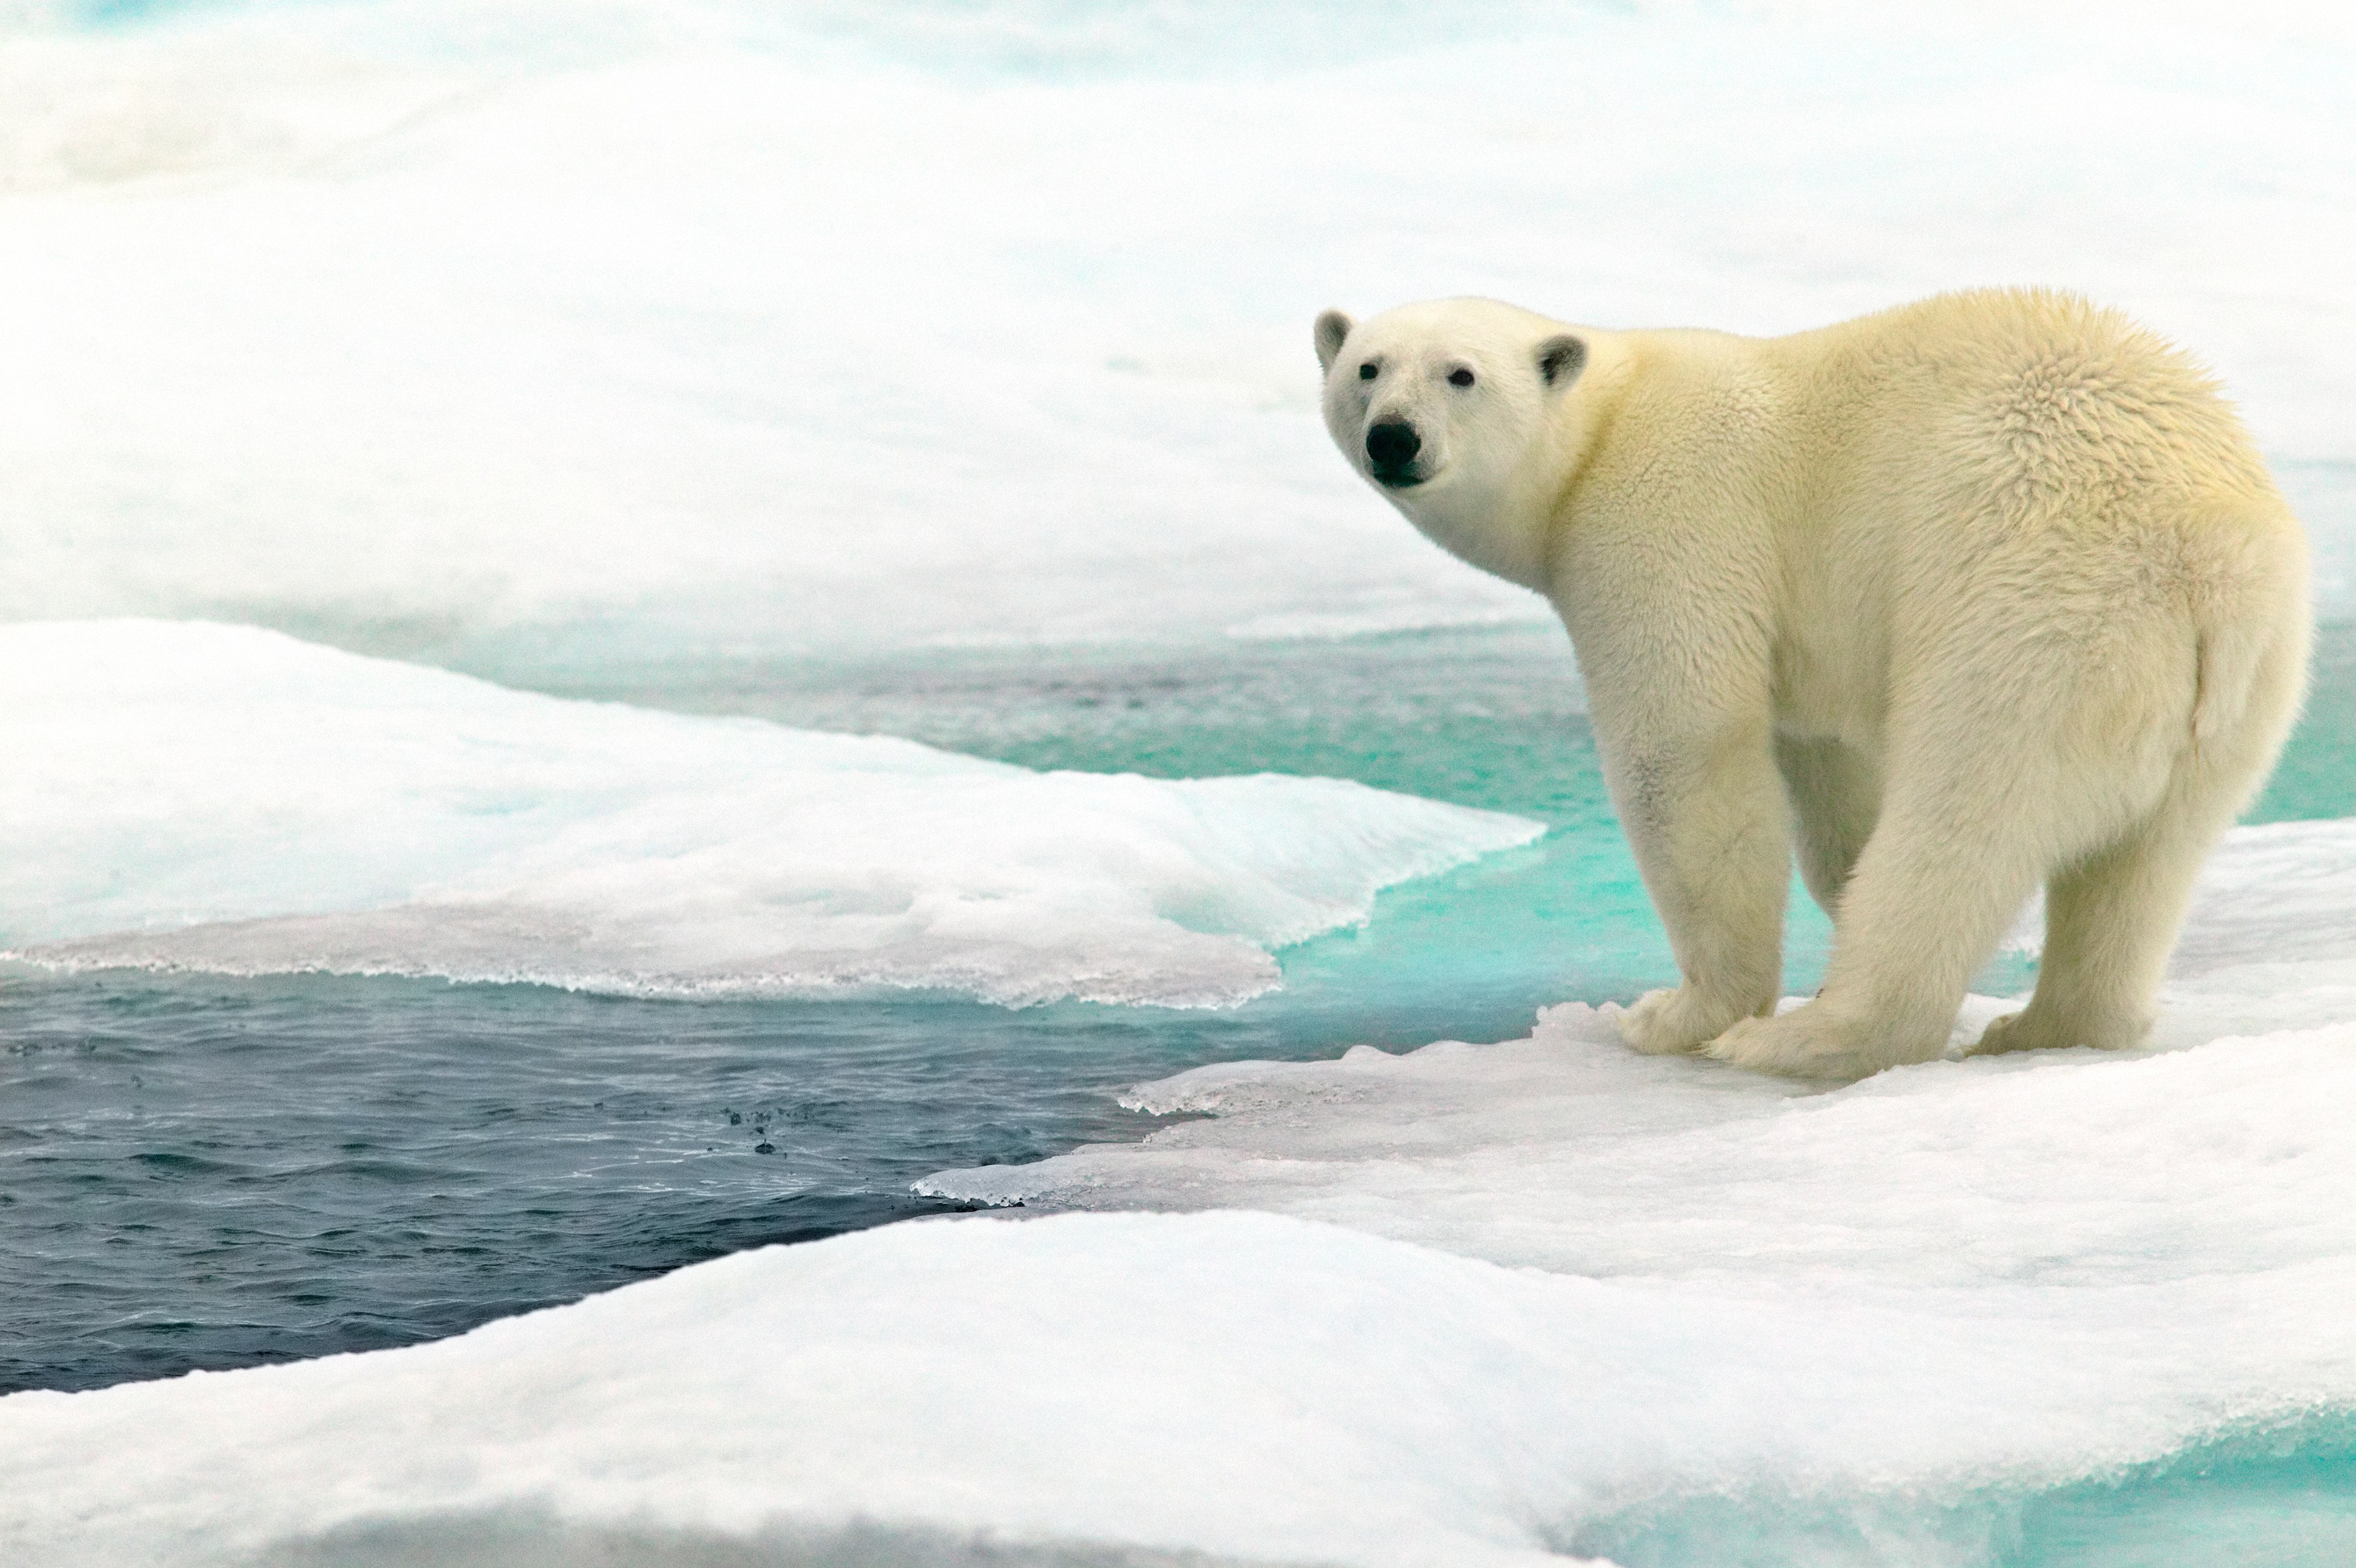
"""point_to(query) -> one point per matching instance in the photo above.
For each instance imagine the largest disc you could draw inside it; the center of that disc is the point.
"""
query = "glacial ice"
(228, 798)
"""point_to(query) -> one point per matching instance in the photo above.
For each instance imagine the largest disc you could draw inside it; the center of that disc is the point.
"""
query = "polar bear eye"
(1366, 371)
(1459, 378)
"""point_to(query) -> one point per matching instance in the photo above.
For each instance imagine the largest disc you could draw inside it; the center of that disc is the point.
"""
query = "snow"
(674, 327)
(2058, 1169)
(229, 798)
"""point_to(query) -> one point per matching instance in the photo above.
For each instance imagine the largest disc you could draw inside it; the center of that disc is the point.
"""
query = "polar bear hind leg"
(2110, 921)
(2112, 918)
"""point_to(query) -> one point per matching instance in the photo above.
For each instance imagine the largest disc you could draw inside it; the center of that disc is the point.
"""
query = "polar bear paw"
(1802, 1043)
(2004, 1035)
(1671, 1023)
(2034, 1031)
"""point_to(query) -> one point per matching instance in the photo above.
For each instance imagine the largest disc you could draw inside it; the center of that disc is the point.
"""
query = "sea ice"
(229, 798)
(1879, 1305)
(1500, 1302)
(1583, 1133)
(678, 329)
(696, 329)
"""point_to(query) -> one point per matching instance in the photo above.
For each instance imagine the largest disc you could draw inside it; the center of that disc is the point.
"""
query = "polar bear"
(1975, 594)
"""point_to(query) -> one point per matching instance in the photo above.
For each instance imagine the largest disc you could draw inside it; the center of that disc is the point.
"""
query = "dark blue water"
(212, 1174)
(209, 1172)
(201, 1171)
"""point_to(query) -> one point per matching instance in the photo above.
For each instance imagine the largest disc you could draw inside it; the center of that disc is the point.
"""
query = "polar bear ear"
(1560, 358)
(1332, 328)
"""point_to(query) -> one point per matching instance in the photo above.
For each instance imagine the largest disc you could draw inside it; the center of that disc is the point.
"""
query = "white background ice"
(717, 328)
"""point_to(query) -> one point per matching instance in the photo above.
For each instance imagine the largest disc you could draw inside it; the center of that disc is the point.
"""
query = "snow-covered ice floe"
(1498, 1302)
(230, 800)
(1581, 1132)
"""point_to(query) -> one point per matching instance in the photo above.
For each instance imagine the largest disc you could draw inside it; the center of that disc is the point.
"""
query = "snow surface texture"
(1877, 1303)
(1970, 1152)
(229, 798)
(677, 326)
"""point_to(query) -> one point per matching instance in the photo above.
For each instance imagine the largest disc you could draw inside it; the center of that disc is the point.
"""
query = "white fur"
(1978, 593)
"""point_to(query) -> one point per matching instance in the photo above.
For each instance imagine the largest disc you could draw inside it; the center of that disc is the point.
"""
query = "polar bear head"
(1448, 409)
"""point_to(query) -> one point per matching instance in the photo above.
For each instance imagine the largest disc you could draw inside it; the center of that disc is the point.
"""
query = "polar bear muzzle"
(1391, 448)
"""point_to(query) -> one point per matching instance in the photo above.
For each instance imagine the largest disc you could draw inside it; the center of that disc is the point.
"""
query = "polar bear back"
(2003, 418)
(1953, 486)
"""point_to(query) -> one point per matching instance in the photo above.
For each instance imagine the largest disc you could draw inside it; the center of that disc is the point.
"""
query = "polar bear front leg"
(1962, 837)
(1705, 817)
(1675, 1020)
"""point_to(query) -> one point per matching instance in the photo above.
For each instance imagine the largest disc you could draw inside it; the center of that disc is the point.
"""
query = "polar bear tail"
(2252, 629)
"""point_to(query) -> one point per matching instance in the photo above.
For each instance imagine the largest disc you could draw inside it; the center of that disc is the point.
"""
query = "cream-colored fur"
(1983, 592)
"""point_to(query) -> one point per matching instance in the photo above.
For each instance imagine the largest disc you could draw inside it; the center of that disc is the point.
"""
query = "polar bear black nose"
(1392, 445)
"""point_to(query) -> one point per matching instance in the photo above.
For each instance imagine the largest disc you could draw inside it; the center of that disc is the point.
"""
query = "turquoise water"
(2277, 1498)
